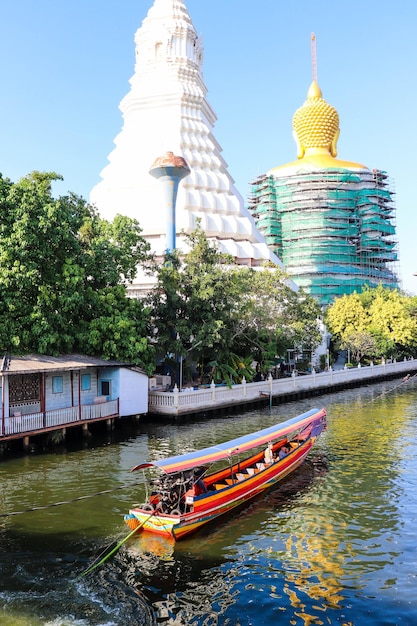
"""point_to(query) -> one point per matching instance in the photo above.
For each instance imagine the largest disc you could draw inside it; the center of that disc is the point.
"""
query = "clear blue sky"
(65, 66)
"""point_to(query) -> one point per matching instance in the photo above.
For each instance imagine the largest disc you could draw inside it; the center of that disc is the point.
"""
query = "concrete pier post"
(110, 424)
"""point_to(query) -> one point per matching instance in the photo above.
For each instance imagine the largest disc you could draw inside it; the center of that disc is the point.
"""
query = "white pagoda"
(165, 111)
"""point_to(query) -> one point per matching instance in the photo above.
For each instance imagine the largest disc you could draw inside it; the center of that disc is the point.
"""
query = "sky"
(65, 66)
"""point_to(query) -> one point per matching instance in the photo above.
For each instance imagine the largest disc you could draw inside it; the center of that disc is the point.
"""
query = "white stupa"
(166, 110)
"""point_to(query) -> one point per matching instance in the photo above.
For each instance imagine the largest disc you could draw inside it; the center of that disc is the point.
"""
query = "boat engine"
(171, 489)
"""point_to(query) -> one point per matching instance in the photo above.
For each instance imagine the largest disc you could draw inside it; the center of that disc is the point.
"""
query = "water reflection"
(348, 532)
(334, 544)
(196, 580)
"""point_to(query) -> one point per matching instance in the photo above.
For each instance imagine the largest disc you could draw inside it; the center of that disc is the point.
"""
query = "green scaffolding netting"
(331, 221)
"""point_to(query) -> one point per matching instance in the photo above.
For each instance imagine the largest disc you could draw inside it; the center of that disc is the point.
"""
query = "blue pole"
(170, 169)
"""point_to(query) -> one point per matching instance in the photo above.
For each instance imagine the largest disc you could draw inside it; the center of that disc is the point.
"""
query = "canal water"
(333, 544)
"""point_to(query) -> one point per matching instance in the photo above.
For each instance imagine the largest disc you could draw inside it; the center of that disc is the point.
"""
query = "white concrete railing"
(58, 417)
(176, 402)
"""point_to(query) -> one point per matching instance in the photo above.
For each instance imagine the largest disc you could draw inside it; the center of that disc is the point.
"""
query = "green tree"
(63, 272)
(192, 303)
(272, 317)
(347, 315)
(210, 310)
(360, 344)
(233, 371)
(388, 316)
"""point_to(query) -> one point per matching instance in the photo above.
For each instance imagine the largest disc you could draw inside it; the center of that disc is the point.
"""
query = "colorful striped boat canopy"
(206, 456)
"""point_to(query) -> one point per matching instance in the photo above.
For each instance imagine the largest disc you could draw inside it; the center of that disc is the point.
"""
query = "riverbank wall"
(179, 405)
(176, 403)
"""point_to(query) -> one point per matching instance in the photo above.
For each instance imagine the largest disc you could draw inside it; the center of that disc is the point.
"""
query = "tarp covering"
(235, 446)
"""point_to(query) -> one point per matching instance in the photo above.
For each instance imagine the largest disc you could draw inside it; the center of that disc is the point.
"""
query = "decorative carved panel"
(24, 388)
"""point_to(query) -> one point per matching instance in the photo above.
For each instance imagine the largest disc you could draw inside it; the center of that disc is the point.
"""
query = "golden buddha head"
(316, 124)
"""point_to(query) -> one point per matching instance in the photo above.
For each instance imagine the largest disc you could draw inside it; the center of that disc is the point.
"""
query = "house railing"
(32, 422)
(187, 400)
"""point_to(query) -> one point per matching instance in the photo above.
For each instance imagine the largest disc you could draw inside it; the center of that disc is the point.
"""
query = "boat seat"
(260, 466)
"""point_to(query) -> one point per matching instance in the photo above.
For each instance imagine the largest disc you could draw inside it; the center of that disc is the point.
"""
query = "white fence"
(189, 400)
(21, 424)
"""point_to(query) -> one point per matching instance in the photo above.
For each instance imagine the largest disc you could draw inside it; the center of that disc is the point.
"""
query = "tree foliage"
(63, 272)
(192, 303)
(272, 317)
(207, 308)
(347, 315)
(63, 277)
(387, 317)
(360, 343)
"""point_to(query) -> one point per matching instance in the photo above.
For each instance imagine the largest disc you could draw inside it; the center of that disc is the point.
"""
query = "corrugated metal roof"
(41, 363)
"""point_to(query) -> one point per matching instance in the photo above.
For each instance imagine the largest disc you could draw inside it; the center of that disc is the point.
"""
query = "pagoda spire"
(167, 35)
(166, 110)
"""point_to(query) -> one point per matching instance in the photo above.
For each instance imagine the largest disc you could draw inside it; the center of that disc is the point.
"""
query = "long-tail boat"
(186, 496)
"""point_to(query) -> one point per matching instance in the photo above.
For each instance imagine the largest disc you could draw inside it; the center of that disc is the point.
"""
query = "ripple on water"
(334, 544)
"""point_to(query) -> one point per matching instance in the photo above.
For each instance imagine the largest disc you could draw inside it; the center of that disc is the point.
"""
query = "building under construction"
(331, 222)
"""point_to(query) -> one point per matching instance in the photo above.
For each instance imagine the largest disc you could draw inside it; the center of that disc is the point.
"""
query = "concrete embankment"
(219, 398)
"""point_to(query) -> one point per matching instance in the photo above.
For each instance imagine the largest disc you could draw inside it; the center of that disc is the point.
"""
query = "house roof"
(31, 363)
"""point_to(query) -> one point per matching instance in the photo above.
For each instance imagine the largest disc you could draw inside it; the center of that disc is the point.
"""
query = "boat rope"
(406, 379)
(107, 554)
(55, 504)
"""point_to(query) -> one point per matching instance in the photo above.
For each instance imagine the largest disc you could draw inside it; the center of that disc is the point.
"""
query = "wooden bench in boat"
(230, 481)
(243, 473)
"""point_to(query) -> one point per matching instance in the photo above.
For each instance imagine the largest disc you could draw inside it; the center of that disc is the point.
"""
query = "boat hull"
(186, 498)
(209, 506)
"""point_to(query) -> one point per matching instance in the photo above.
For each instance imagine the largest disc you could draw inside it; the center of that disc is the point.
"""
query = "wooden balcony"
(25, 424)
